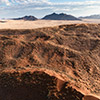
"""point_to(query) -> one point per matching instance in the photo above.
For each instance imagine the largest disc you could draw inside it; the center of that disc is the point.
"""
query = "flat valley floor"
(21, 24)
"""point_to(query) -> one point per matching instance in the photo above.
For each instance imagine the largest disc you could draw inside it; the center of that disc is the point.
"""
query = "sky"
(40, 8)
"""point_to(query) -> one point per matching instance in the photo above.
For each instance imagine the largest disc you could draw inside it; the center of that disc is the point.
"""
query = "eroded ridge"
(73, 51)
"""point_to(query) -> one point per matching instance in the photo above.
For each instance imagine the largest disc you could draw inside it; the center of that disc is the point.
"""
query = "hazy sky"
(39, 8)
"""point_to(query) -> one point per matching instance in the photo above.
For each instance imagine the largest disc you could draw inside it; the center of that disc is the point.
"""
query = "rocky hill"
(26, 18)
(59, 63)
(61, 16)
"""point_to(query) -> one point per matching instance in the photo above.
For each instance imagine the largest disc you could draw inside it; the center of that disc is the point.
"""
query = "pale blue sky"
(39, 8)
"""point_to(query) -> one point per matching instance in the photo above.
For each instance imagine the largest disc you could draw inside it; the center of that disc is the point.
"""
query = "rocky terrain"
(57, 63)
(52, 16)
(31, 18)
(60, 16)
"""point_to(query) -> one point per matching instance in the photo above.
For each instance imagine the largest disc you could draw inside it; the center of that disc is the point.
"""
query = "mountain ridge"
(91, 17)
(61, 16)
(26, 18)
(53, 16)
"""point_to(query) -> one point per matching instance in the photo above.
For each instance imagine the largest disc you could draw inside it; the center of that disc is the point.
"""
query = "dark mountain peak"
(61, 16)
(54, 13)
(30, 17)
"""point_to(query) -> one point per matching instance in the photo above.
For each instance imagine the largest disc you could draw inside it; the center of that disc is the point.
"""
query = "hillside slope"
(60, 16)
(31, 18)
(65, 60)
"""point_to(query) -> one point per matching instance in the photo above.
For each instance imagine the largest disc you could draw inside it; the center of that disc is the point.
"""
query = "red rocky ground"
(59, 63)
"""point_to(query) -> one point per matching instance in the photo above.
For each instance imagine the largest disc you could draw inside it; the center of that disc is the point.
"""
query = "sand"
(21, 24)
(90, 97)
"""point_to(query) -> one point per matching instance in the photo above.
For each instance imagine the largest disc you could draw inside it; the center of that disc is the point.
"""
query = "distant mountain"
(26, 18)
(91, 17)
(60, 16)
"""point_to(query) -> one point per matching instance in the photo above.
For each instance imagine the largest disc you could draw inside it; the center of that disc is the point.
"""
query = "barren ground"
(21, 24)
(55, 63)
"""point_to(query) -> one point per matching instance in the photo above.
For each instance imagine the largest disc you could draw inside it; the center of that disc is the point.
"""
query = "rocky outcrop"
(26, 18)
(61, 16)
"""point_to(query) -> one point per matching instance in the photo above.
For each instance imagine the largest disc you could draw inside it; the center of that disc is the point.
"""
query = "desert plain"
(22, 24)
